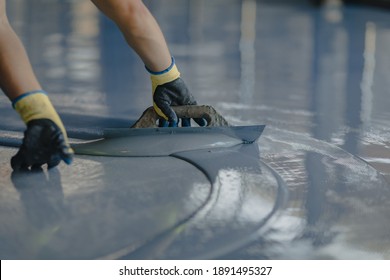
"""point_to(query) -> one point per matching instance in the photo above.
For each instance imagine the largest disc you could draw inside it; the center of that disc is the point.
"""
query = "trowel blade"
(166, 141)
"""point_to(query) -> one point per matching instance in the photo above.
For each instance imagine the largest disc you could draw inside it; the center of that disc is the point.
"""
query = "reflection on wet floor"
(317, 77)
(334, 199)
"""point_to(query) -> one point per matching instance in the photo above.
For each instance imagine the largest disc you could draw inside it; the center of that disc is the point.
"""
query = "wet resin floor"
(315, 185)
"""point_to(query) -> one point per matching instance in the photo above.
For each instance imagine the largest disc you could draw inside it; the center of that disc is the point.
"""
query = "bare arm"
(140, 29)
(45, 140)
(17, 76)
(144, 35)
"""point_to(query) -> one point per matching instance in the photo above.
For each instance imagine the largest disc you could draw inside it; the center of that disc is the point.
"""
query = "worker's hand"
(170, 90)
(43, 143)
(45, 140)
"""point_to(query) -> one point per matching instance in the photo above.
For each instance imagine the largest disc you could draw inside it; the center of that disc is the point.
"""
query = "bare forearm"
(147, 40)
(140, 29)
(17, 76)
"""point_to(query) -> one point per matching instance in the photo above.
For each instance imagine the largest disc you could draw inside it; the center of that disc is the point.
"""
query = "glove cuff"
(168, 75)
(37, 105)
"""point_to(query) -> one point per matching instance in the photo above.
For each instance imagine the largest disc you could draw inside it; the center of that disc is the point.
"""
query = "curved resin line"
(242, 158)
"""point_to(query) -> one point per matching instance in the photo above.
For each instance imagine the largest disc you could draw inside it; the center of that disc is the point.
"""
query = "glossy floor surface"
(316, 185)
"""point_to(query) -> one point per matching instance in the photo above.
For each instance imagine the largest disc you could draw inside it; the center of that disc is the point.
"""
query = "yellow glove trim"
(160, 79)
(37, 105)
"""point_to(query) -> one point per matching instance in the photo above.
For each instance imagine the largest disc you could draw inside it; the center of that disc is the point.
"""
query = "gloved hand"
(170, 90)
(45, 140)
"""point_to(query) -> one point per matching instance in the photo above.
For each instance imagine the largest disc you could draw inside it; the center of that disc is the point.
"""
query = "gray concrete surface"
(315, 185)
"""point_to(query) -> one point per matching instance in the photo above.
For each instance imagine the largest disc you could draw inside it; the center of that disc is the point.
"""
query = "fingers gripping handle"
(149, 117)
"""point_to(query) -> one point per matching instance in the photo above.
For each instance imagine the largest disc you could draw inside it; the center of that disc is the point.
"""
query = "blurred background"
(315, 72)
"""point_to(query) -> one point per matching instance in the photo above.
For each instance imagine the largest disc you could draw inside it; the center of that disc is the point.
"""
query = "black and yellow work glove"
(170, 90)
(45, 140)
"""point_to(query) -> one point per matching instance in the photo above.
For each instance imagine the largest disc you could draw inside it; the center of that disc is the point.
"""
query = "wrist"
(162, 71)
(162, 77)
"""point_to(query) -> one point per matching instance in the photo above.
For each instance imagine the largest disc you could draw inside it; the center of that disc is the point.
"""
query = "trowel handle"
(149, 117)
